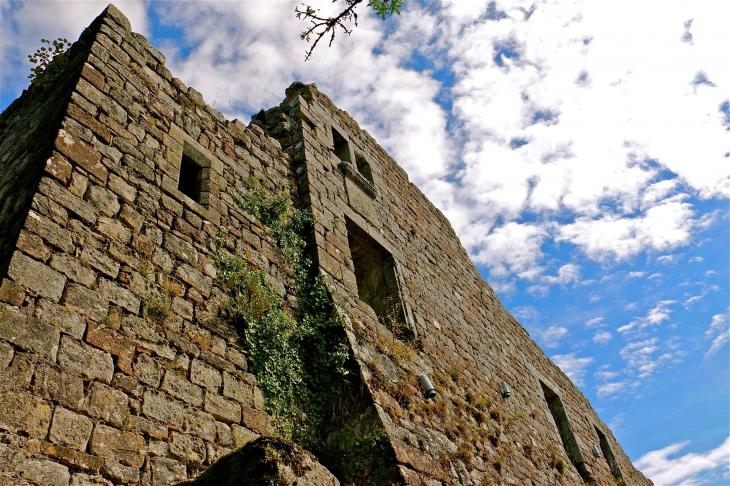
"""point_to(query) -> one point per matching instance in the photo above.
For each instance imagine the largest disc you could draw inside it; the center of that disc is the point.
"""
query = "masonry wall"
(453, 327)
(116, 364)
(114, 367)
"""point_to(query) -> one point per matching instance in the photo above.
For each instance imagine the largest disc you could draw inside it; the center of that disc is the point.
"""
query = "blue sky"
(580, 149)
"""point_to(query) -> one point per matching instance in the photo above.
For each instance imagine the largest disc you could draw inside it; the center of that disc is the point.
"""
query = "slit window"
(190, 181)
(557, 410)
(375, 274)
(608, 454)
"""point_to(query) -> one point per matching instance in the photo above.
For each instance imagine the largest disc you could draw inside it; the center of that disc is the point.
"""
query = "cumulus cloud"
(595, 322)
(573, 366)
(552, 336)
(644, 358)
(602, 337)
(665, 470)
(526, 312)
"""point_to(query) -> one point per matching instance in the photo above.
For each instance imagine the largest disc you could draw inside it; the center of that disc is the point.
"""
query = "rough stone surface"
(267, 461)
(36, 276)
(70, 429)
(108, 283)
(86, 361)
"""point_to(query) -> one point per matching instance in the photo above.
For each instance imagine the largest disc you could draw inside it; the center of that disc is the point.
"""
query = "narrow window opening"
(608, 455)
(364, 168)
(190, 178)
(555, 404)
(341, 146)
(375, 275)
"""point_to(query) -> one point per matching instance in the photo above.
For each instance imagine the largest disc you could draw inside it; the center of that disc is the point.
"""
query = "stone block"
(221, 408)
(163, 408)
(257, 421)
(127, 384)
(71, 457)
(68, 200)
(100, 261)
(32, 245)
(77, 151)
(127, 448)
(113, 229)
(18, 375)
(189, 275)
(120, 187)
(70, 429)
(49, 231)
(113, 343)
(102, 199)
(24, 412)
(36, 276)
(187, 448)
(124, 254)
(119, 295)
(81, 479)
(167, 471)
(28, 333)
(85, 301)
(205, 375)
(65, 320)
(58, 167)
(180, 248)
(16, 464)
(131, 218)
(119, 473)
(179, 387)
(240, 436)
(200, 424)
(148, 427)
(237, 358)
(148, 370)
(11, 292)
(6, 356)
(108, 404)
(72, 268)
(64, 388)
(237, 390)
(88, 362)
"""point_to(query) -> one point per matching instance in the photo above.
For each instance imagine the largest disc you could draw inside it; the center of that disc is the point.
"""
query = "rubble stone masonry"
(116, 363)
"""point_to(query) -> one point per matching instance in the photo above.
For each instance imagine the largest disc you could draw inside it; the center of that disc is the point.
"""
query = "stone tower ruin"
(122, 361)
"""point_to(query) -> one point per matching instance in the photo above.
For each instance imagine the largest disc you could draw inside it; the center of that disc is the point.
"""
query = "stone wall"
(450, 324)
(116, 363)
(114, 367)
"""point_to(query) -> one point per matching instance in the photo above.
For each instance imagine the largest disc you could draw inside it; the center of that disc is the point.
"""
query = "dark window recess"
(342, 148)
(555, 404)
(189, 183)
(376, 280)
(608, 455)
(364, 168)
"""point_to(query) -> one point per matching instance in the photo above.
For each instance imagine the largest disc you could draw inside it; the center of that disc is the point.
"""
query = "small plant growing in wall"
(48, 61)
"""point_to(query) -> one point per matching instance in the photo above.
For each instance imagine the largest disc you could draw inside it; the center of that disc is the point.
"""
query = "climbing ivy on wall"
(300, 362)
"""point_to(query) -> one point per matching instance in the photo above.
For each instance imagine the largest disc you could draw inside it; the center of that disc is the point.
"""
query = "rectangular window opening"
(555, 404)
(364, 168)
(608, 454)
(190, 179)
(375, 275)
(341, 146)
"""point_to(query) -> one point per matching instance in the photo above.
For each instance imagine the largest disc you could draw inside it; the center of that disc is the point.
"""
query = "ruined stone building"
(121, 361)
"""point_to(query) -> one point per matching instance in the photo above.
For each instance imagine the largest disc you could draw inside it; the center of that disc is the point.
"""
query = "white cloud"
(602, 337)
(610, 388)
(719, 330)
(526, 312)
(687, 303)
(654, 317)
(668, 259)
(552, 335)
(573, 366)
(697, 259)
(641, 356)
(636, 274)
(595, 322)
(665, 470)
(655, 276)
